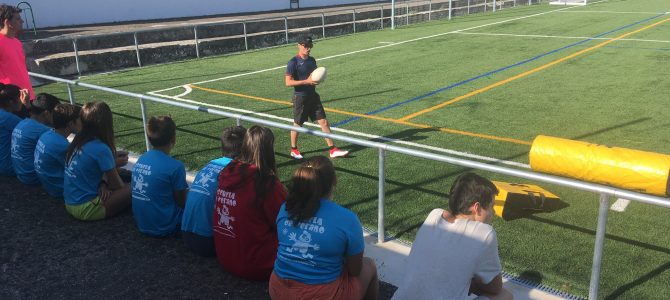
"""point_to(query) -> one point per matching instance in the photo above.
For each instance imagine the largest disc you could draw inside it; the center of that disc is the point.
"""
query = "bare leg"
(117, 201)
(325, 127)
(368, 279)
(294, 136)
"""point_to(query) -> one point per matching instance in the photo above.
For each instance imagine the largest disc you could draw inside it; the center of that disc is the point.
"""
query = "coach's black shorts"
(307, 107)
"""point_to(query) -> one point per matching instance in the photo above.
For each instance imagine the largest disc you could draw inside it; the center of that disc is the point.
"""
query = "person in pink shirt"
(12, 59)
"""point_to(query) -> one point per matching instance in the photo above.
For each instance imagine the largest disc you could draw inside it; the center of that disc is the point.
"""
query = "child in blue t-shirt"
(92, 188)
(196, 224)
(26, 134)
(52, 146)
(320, 253)
(159, 182)
(10, 103)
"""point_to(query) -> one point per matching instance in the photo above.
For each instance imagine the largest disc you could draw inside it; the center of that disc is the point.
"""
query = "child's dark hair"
(64, 114)
(468, 189)
(44, 102)
(96, 123)
(313, 180)
(6, 13)
(231, 141)
(161, 131)
(9, 93)
(258, 149)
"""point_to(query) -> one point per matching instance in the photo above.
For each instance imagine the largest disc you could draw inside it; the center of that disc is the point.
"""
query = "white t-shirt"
(446, 256)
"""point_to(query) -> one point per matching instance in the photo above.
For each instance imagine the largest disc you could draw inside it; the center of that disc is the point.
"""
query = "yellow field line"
(442, 129)
(524, 74)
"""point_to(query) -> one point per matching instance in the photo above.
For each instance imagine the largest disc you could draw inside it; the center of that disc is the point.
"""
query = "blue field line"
(494, 71)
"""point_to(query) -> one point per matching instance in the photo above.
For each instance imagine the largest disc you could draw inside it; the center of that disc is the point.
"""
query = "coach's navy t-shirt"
(300, 69)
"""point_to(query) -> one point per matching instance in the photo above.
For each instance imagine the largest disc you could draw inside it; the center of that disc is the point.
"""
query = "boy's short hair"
(7, 12)
(468, 189)
(161, 131)
(44, 102)
(231, 141)
(64, 114)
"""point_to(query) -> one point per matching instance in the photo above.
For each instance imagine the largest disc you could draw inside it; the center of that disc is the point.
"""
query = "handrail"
(568, 182)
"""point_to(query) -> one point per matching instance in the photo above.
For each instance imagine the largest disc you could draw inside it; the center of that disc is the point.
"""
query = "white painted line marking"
(560, 37)
(620, 205)
(351, 132)
(386, 42)
(385, 46)
(188, 90)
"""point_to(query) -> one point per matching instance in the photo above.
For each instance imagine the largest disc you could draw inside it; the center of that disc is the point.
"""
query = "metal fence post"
(286, 28)
(354, 16)
(380, 207)
(238, 122)
(246, 41)
(529, 2)
(323, 24)
(484, 5)
(494, 5)
(449, 9)
(468, 7)
(407, 13)
(197, 47)
(144, 122)
(137, 49)
(76, 55)
(430, 9)
(598, 249)
(70, 93)
(381, 16)
(392, 14)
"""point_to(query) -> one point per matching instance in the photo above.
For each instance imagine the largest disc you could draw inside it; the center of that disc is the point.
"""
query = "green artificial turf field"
(483, 84)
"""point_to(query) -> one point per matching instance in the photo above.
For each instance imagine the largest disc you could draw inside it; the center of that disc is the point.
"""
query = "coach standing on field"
(306, 102)
(12, 59)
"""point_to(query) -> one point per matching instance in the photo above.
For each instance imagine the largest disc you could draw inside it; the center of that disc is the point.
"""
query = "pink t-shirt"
(13, 64)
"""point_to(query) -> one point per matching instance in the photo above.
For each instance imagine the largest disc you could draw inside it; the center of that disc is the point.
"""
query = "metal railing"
(605, 192)
(373, 17)
(26, 8)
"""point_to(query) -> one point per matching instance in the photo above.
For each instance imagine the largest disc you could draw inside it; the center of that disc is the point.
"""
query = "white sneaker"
(296, 154)
(335, 152)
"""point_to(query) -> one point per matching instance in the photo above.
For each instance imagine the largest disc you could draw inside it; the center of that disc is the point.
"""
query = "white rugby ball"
(318, 75)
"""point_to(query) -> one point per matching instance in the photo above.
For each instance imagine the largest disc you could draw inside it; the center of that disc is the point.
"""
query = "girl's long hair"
(258, 149)
(96, 123)
(313, 180)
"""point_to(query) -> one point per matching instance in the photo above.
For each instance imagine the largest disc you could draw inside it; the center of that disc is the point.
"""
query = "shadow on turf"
(626, 287)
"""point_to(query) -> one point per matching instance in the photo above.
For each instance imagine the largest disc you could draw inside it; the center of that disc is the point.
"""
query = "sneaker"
(336, 152)
(296, 154)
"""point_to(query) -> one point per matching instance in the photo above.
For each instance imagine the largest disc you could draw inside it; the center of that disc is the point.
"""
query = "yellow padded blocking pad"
(642, 171)
(516, 199)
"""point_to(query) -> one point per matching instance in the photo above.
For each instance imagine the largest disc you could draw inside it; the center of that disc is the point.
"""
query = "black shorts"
(307, 107)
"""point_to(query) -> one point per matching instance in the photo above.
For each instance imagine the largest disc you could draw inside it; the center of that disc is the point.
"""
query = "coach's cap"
(306, 41)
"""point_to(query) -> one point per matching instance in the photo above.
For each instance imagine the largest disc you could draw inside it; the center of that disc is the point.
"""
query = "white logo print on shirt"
(224, 221)
(302, 245)
(138, 188)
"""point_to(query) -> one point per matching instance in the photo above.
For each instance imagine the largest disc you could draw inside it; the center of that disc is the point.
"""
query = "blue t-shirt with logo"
(24, 140)
(50, 162)
(313, 252)
(8, 122)
(300, 69)
(199, 207)
(156, 176)
(83, 173)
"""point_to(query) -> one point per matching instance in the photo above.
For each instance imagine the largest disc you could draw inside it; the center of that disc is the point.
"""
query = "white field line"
(384, 46)
(560, 37)
(188, 90)
(351, 132)
(615, 12)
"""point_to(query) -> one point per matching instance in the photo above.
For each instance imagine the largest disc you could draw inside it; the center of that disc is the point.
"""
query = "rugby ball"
(318, 75)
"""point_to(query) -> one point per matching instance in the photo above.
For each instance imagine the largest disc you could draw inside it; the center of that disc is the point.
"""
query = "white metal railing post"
(353, 15)
(485, 4)
(195, 36)
(599, 245)
(392, 14)
(137, 49)
(407, 13)
(529, 2)
(238, 122)
(246, 37)
(449, 9)
(381, 17)
(323, 24)
(380, 201)
(144, 122)
(286, 28)
(468, 7)
(430, 9)
(494, 5)
(70, 93)
(76, 55)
